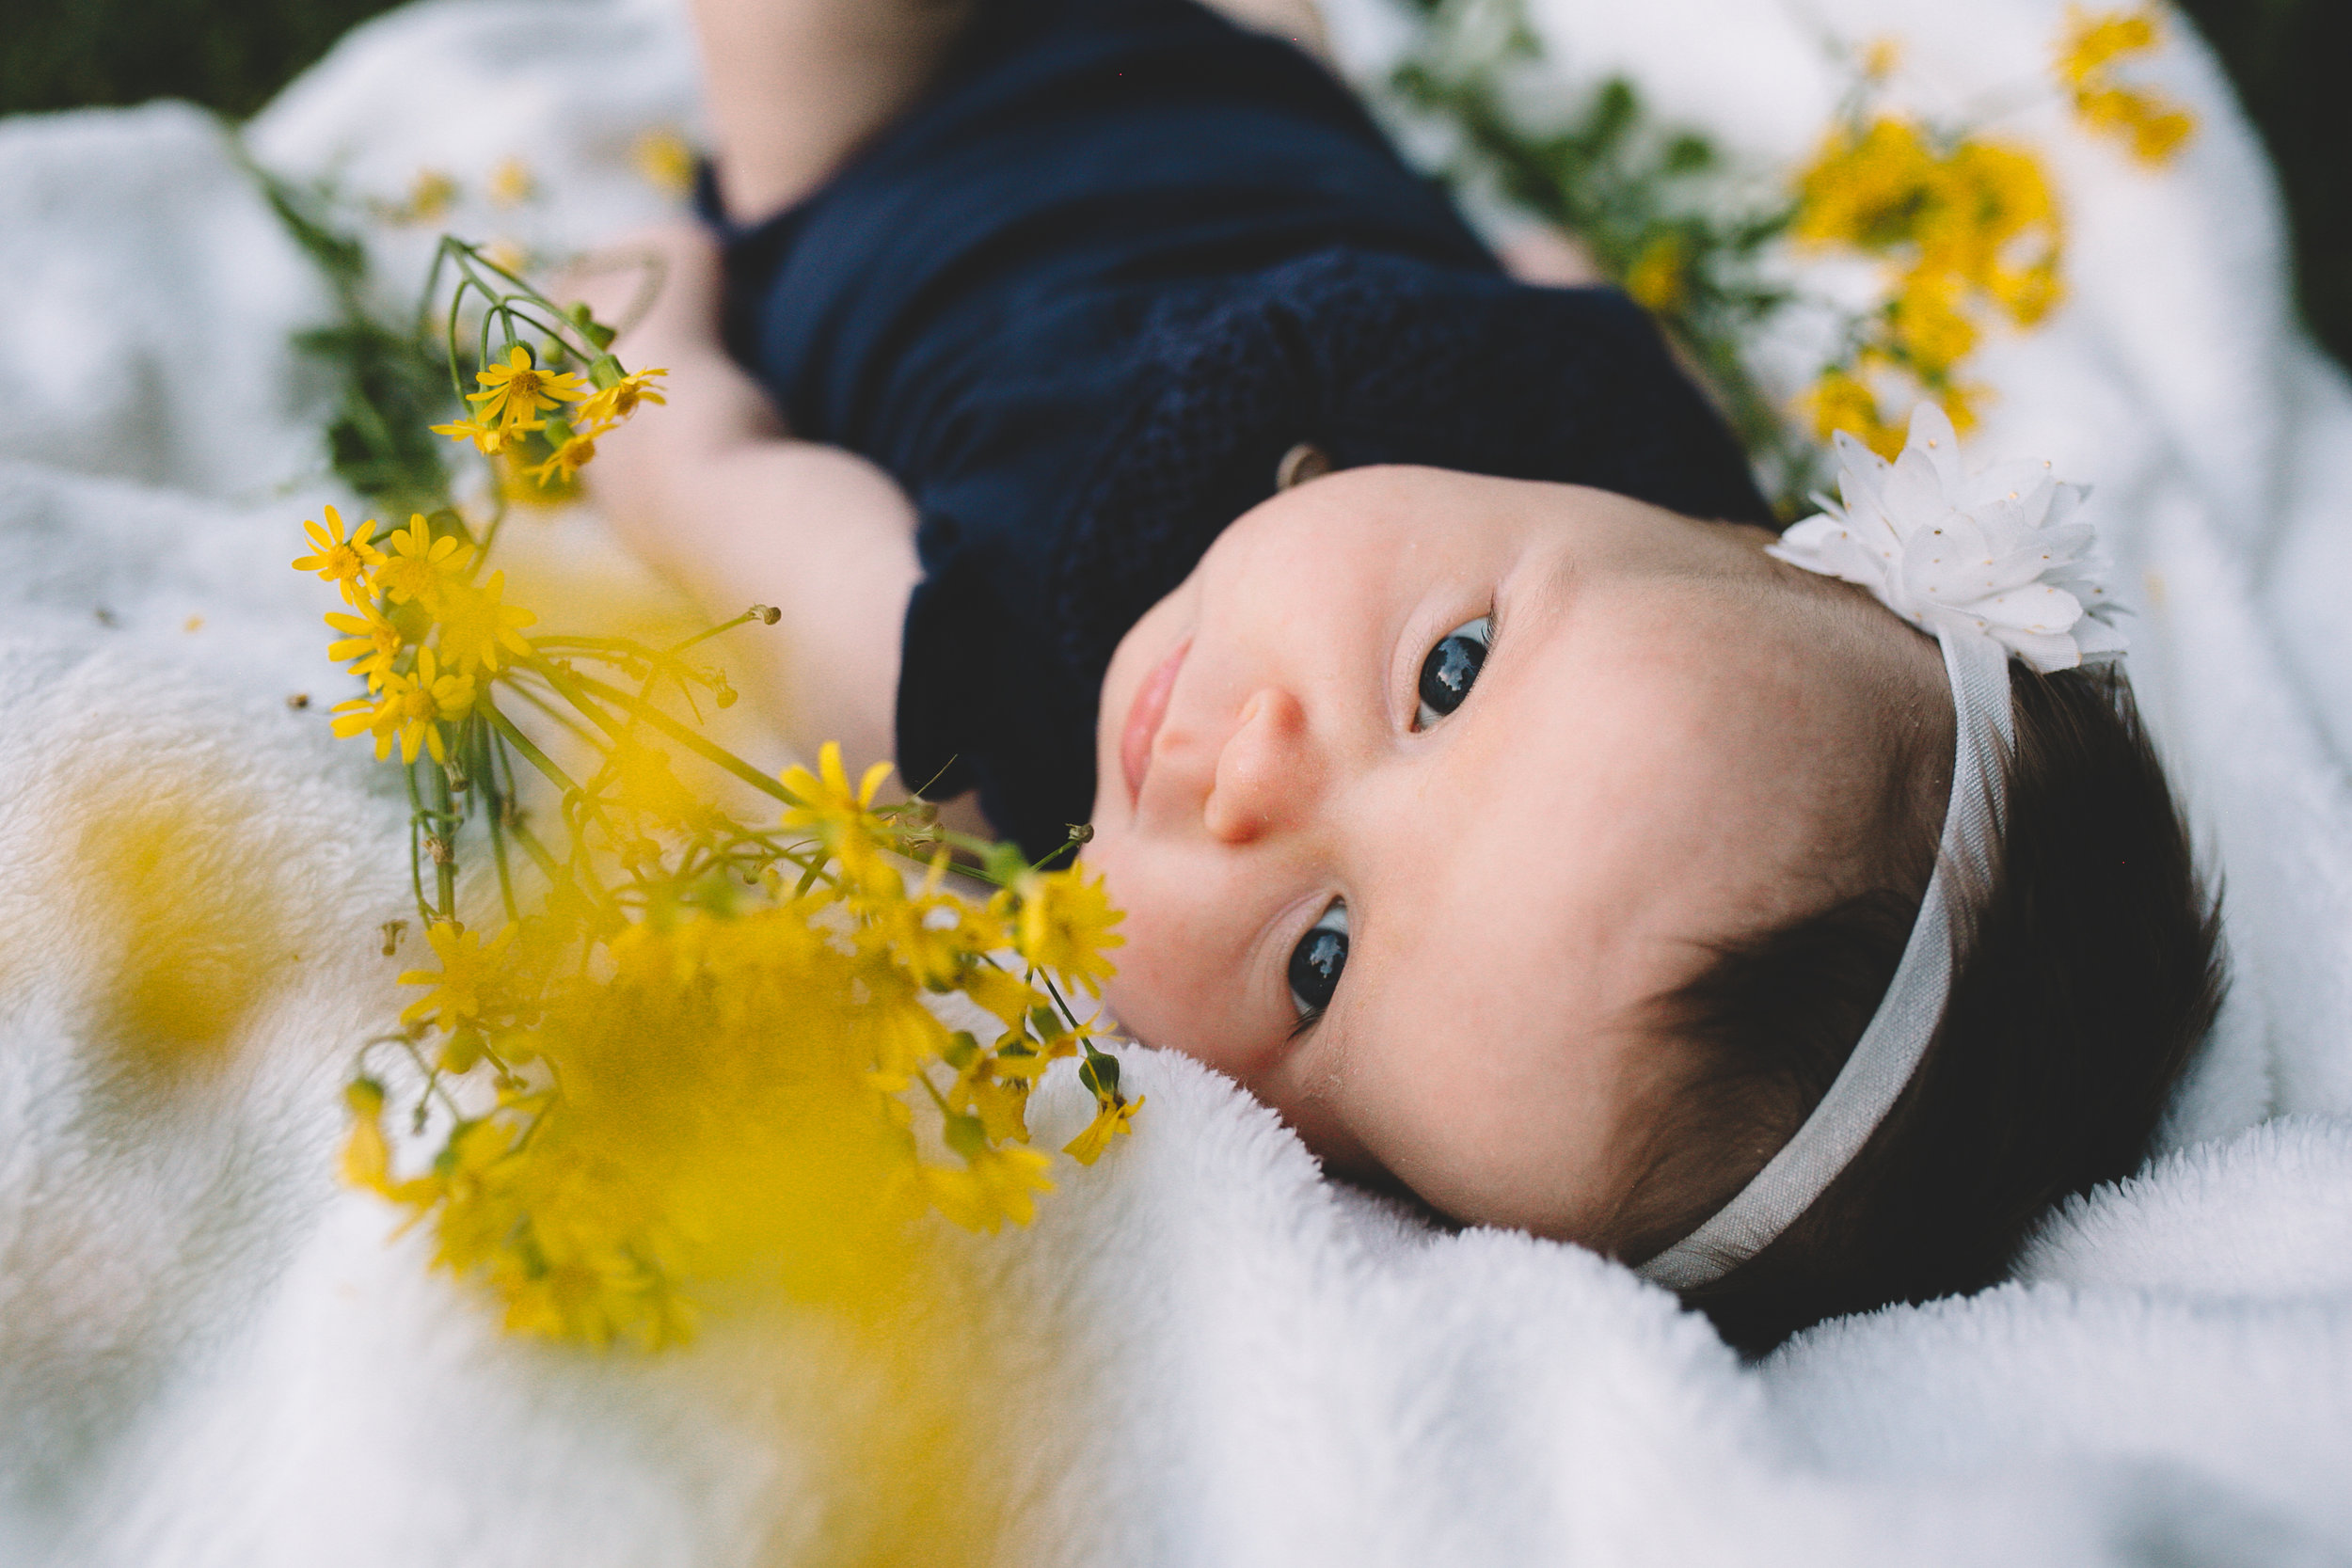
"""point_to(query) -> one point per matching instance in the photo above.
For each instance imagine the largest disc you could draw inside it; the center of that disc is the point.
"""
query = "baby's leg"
(796, 85)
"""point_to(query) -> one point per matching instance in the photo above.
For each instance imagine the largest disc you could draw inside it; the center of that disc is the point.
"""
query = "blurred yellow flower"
(341, 561)
(1064, 923)
(476, 628)
(665, 160)
(420, 567)
(429, 196)
(1657, 280)
(578, 450)
(2152, 125)
(511, 183)
(467, 964)
(2094, 39)
(370, 640)
(994, 1185)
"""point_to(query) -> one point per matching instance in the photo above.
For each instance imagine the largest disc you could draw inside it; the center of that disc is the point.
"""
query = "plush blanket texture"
(1201, 1353)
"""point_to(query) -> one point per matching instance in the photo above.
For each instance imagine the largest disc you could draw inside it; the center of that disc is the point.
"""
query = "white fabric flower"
(1946, 550)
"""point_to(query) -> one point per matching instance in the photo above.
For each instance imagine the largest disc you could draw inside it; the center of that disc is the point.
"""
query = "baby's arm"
(713, 493)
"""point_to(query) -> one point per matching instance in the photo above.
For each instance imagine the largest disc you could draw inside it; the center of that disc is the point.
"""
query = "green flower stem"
(531, 754)
(718, 756)
(445, 866)
(704, 636)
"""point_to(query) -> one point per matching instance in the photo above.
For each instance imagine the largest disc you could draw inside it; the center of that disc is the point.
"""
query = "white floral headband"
(1988, 564)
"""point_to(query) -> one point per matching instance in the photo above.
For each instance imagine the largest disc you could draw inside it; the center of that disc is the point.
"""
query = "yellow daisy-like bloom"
(466, 963)
(488, 439)
(409, 711)
(421, 567)
(519, 390)
(1839, 401)
(1064, 923)
(996, 1186)
(343, 561)
(1659, 277)
(1866, 191)
(477, 630)
(2153, 126)
(613, 404)
(2095, 40)
(429, 196)
(578, 450)
(1926, 321)
(370, 640)
(1110, 1122)
(663, 157)
(841, 817)
(367, 1159)
(511, 183)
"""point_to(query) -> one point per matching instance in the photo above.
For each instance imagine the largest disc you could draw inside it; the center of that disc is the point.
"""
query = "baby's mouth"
(1143, 719)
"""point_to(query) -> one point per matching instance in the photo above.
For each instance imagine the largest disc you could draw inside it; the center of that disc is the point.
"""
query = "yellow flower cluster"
(516, 393)
(717, 1096)
(2150, 124)
(706, 1053)
(1967, 228)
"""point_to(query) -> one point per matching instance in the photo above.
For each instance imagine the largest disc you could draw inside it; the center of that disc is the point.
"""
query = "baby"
(1130, 439)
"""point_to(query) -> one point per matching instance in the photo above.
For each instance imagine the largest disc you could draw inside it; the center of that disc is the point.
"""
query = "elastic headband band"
(1986, 563)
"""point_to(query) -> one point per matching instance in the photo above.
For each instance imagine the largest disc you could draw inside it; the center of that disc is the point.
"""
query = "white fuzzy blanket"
(209, 1354)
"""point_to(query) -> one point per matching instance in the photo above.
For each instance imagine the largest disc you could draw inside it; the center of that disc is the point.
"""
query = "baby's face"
(1423, 782)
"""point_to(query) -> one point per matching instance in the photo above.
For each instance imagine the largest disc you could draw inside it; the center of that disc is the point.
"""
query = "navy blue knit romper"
(1081, 299)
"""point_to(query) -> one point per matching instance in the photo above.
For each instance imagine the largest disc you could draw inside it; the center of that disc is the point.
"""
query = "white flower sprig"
(1948, 549)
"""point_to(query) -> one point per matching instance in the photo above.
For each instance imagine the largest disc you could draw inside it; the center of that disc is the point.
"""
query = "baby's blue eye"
(1451, 669)
(1317, 961)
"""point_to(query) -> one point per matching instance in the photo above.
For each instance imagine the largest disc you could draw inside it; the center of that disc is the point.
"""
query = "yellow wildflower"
(511, 183)
(1881, 57)
(429, 196)
(613, 404)
(994, 1187)
(421, 567)
(2095, 40)
(475, 627)
(1007, 996)
(1839, 401)
(2153, 125)
(467, 962)
(341, 561)
(1868, 190)
(1658, 279)
(1111, 1120)
(519, 390)
(367, 1159)
(488, 439)
(1927, 322)
(370, 640)
(578, 450)
(409, 711)
(1064, 923)
(2027, 294)
(662, 157)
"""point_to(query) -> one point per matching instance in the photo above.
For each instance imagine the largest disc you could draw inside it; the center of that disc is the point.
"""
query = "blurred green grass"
(2288, 57)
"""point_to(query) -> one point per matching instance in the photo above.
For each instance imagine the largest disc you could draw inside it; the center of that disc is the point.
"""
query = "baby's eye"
(1317, 961)
(1451, 669)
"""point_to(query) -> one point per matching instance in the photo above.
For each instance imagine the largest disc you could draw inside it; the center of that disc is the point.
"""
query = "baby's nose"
(1268, 773)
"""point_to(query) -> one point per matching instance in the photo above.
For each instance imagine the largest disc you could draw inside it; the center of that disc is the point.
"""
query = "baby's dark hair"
(2090, 970)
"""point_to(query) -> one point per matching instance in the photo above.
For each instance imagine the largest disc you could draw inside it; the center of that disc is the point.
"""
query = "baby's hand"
(662, 288)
